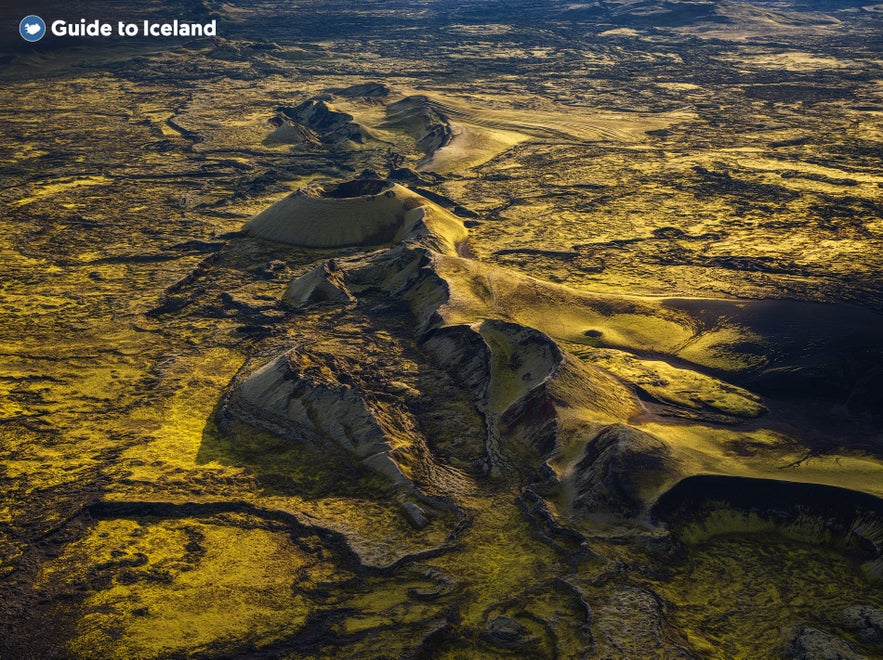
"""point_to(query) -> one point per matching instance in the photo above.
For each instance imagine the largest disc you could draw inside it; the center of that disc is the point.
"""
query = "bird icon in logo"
(32, 28)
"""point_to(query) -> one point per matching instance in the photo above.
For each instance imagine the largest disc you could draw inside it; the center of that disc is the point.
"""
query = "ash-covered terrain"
(445, 329)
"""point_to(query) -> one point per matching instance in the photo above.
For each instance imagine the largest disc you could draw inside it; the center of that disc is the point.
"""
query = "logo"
(32, 28)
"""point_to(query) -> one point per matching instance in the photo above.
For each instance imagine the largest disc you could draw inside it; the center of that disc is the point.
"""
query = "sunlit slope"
(364, 213)
(446, 134)
(719, 334)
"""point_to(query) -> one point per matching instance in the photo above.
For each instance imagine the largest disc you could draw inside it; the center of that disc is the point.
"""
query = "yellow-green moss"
(183, 585)
(741, 597)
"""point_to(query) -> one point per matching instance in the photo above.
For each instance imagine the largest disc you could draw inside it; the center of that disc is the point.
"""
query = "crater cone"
(360, 212)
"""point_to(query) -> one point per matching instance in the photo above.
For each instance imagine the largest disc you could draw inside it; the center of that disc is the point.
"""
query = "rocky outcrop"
(506, 633)
(425, 119)
(631, 624)
(465, 353)
(333, 128)
(288, 131)
(523, 363)
(614, 466)
(365, 91)
(866, 622)
(324, 399)
(325, 283)
(808, 643)
(414, 515)
(314, 398)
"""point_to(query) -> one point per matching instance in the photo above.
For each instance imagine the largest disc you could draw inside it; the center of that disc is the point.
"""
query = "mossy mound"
(363, 212)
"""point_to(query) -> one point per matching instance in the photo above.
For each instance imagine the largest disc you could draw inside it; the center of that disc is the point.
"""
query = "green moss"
(499, 557)
(166, 587)
(741, 597)
(680, 387)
